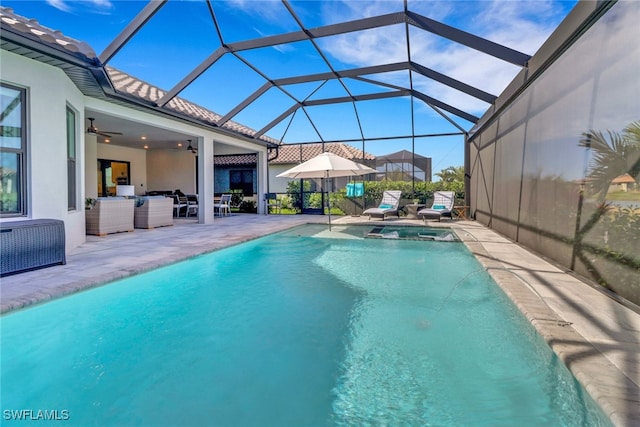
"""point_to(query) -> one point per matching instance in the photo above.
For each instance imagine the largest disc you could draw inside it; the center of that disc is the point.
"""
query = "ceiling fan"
(191, 148)
(93, 129)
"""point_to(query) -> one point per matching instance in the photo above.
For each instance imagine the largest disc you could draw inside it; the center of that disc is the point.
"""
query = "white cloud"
(520, 25)
(59, 4)
(370, 47)
(271, 11)
(340, 11)
(68, 5)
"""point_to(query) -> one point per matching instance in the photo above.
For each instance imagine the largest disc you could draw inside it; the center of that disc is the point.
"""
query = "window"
(242, 180)
(12, 151)
(71, 161)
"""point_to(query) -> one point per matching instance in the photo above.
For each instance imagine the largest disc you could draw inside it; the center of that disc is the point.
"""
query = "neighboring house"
(623, 183)
(287, 156)
(239, 171)
(53, 157)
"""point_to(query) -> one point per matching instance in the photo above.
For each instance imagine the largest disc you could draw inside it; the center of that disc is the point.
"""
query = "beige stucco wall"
(171, 170)
(49, 91)
(136, 157)
(278, 185)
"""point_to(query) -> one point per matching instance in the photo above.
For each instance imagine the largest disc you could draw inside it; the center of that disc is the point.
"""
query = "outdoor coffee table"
(412, 210)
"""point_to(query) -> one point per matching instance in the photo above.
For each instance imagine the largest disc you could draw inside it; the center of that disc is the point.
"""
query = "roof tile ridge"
(349, 154)
(44, 33)
(178, 103)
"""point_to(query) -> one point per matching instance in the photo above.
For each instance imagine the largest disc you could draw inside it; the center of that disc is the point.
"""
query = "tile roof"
(298, 153)
(235, 160)
(122, 82)
(130, 85)
(622, 179)
(34, 30)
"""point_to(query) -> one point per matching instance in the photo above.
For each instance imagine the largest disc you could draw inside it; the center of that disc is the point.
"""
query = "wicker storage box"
(30, 244)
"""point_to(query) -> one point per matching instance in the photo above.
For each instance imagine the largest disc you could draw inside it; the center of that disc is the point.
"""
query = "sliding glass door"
(110, 174)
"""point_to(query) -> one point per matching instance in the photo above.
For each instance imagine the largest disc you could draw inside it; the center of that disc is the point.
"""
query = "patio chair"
(388, 205)
(223, 207)
(192, 204)
(442, 206)
(272, 202)
(179, 203)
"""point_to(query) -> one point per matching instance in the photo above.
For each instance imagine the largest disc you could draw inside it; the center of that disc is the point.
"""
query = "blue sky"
(182, 34)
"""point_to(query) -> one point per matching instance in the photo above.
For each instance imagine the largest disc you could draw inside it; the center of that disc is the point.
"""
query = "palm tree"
(612, 157)
(451, 174)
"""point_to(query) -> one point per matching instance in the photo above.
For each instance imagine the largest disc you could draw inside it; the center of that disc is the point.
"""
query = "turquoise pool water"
(302, 328)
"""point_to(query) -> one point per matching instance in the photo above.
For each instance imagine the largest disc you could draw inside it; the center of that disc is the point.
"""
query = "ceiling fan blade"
(105, 133)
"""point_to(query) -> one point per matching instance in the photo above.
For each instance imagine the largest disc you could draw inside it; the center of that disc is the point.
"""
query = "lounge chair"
(388, 205)
(442, 206)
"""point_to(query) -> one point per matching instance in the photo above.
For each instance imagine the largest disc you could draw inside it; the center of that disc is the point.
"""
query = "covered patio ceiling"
(315, 71)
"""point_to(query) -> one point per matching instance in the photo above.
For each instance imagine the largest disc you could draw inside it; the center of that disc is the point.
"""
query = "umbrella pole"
(328, 197)
(329, 203)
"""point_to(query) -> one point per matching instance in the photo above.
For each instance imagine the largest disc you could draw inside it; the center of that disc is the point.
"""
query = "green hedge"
(373, 190)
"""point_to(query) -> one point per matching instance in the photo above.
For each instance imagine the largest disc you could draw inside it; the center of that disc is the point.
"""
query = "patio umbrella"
(327, 165)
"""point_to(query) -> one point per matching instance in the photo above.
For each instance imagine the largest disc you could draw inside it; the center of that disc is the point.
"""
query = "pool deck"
(596, 337)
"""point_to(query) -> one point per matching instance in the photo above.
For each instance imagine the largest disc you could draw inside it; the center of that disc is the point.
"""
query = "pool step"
(391, 232)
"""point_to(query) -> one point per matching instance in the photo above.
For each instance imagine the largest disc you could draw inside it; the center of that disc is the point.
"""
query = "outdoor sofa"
(153, 211)
(110, 215)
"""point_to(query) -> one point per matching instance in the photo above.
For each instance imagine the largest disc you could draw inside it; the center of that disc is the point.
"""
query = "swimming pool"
(305, 327)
